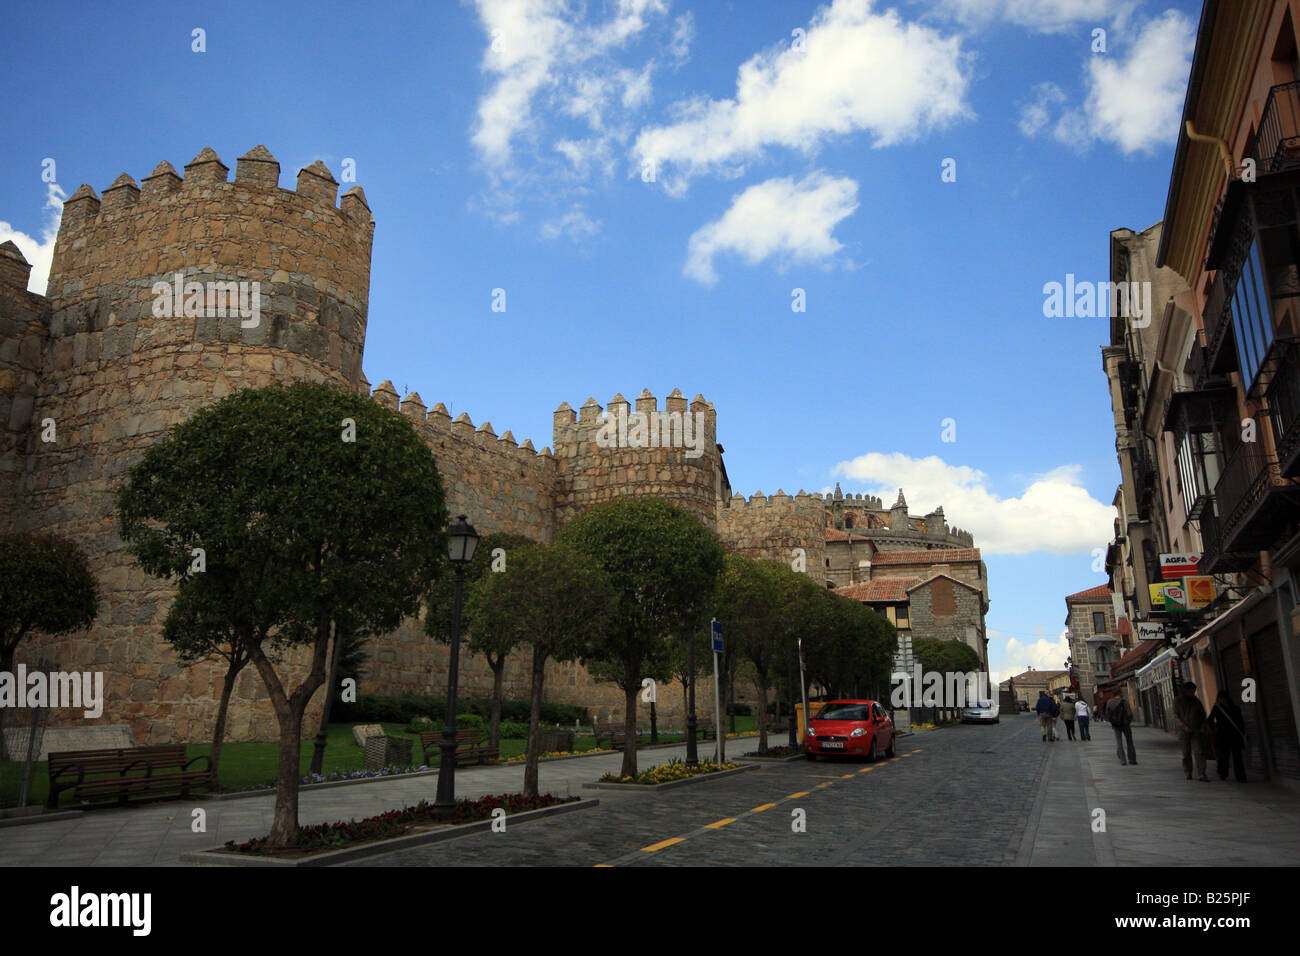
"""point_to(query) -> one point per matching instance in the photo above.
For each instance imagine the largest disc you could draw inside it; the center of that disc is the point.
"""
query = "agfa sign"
(1178, 565)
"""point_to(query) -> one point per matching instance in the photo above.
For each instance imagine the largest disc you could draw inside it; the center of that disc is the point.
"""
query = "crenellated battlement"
(620, 425)
(436, 424)
(814, 502)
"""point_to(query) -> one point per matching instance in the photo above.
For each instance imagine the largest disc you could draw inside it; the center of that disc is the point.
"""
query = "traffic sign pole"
(715, 630)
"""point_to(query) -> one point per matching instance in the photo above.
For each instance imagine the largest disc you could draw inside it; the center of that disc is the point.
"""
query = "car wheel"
(889, 751)
(874, 755)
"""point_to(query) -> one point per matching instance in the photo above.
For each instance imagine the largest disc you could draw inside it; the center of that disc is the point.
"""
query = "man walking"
(1229, 736)
(1084, 715)
(1190, 717)
(1045, 719)
(1120, 718)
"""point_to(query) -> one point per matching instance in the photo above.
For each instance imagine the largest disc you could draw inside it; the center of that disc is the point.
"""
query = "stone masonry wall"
(948, 611)
(117, 374)
(771, 528)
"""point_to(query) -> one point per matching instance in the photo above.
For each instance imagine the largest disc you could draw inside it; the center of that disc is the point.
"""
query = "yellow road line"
(820, 785)
(866, 770)
(654, 847)
(719, 823)
(766, 806)
(847, 776)
(801, 793)
(608, 866)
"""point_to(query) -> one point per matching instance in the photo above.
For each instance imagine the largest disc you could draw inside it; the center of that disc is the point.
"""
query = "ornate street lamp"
(462, 539)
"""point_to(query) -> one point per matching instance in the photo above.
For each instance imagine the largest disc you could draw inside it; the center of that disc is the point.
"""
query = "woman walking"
(1229, 736)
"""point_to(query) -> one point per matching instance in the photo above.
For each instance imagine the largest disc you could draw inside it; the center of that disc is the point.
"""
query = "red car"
(858, 727)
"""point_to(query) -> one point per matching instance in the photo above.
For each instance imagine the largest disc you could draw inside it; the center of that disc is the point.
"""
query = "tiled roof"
(938, 556)
(879, 590)
(835, 534)
(1100, 591)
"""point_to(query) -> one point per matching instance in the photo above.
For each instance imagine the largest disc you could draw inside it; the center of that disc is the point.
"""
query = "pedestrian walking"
(1083, 714)
(1120, 718)
(1189, 714)
(1045, 716)
(1067, 715)
(1229, 728)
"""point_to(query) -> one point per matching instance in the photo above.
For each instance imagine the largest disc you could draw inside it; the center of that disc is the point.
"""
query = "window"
(1099, 622)
(902, 615)
(1251, 319)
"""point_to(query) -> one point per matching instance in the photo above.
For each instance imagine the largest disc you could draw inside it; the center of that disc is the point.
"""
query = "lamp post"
(692, 754)
(462, 539)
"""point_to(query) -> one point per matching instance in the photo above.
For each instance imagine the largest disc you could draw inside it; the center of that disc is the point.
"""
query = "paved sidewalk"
(157, 834)
(1154, 816)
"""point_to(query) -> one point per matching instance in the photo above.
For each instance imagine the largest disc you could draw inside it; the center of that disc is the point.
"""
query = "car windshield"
(845, 712)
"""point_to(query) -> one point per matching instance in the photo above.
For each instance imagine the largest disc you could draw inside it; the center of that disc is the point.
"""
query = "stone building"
(1093, 636)
(94, 371)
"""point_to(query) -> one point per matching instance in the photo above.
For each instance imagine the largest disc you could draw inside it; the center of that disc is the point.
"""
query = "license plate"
(830, 745)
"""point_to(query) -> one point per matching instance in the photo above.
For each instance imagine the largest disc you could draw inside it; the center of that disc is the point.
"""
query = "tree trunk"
(629, 736)
(6, 667)
(762, 718)
(498, 689)
(284, 826)
(534, 724)
(219, 732)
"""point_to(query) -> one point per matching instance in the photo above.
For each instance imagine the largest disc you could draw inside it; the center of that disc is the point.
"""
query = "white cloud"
(535, 46)
(1053, 513)
(1136, 102)
(778, 217)
(683, 35)
(859, 71)
(575, 224)
(39, 252)
(1017, 656)
(1044, 16)
(1133, 98)
(1037, 114)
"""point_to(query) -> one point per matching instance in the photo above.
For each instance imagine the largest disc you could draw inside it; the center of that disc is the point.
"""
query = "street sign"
(1150, 630)
(716, 628)
(1175, 598)
(1200, 591)
(1179, 564)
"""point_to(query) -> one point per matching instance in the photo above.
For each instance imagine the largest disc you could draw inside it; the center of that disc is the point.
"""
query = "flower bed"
(340, 834)
(776, 753)
(338, 775)
(667, 773)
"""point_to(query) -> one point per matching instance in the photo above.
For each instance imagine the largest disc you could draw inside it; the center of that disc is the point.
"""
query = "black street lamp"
(692, 754)
(462, 539)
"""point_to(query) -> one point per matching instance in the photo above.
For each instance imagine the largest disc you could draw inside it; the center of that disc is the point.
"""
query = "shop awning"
(1134, 659)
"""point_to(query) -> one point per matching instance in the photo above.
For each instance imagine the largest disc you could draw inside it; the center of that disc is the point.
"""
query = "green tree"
(662, 564)
(853, 653)
(746, 605)
(45, 585)
(311, 505)
(492, 556)
(556, 600)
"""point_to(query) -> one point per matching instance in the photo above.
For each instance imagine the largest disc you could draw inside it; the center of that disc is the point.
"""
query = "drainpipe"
(1229, 166)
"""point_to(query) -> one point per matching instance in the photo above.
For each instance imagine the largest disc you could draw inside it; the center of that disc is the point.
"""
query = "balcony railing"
(1214, 560)
(1284, 406)
(1252, 496)
(1277, 145)
(1220, 347)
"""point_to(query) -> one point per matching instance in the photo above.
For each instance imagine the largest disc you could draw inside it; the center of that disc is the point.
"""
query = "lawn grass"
(245, 765)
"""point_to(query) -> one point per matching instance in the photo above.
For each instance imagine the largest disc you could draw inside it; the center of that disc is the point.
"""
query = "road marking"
(766, 806)
(847, 776)
(608, 866)
(719, 823)
(655, 847)
(801, 793)
(866, 770)
(820, 785)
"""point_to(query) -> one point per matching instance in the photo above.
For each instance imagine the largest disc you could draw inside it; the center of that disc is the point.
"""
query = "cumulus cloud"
(535, 48)
(1133, 95)
(39, 252)
(779, 217)
(857, 71)
(1053, 513)
(1016, 656)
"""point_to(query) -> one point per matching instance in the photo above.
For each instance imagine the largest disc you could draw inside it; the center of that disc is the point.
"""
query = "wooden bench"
(468, 748)
(119, 774)
(615, 732)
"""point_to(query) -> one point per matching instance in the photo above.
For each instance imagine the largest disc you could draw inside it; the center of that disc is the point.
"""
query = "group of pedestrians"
(1223, 729)
(1070, 711)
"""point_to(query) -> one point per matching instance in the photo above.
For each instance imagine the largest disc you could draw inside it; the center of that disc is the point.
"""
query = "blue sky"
(650, 180)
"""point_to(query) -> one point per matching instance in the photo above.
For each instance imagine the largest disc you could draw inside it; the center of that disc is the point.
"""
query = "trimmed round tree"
(280, 511)
(45, 585)
(662, 564)
(555, 600)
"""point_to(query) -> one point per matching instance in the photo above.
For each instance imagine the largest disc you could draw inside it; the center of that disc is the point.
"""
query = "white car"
(981, 712)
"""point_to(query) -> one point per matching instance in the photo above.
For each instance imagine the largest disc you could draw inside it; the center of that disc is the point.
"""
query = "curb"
(760, 759)
(331, 857)
(651, 787)
(25, 819)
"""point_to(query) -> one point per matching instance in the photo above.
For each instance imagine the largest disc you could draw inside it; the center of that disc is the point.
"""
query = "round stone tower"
(162, 299)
